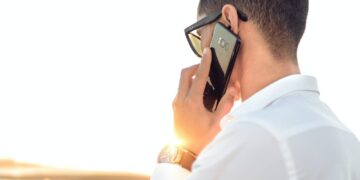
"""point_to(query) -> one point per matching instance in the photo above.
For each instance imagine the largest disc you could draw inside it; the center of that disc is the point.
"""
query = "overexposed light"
(88, 84)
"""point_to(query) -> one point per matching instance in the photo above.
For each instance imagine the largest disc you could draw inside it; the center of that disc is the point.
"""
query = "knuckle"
(187, 71)
(189, 102)
(184, 72)
(175, 103)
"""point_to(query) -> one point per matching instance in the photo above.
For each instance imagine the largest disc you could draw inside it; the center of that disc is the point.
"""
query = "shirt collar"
(271, 93)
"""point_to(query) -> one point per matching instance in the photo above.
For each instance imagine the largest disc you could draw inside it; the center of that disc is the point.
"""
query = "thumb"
(226, 103)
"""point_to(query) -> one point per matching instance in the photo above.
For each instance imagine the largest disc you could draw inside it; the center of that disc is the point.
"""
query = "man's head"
(270, 38)
(281, 22)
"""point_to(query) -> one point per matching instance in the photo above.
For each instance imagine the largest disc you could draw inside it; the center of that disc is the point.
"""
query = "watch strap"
(177, 155)
(187, 158)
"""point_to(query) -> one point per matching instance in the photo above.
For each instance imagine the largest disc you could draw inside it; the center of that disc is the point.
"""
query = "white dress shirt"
(283, 132)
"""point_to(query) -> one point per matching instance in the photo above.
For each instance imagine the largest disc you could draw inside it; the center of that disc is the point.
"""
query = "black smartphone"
(224, 47)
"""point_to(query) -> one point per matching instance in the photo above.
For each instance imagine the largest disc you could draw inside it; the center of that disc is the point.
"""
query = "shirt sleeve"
(165, 171)
(243, 151)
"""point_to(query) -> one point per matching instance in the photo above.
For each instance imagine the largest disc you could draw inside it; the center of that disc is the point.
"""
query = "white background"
(89, 84)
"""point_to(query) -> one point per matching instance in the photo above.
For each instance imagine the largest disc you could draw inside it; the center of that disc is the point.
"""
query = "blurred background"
(88, 84)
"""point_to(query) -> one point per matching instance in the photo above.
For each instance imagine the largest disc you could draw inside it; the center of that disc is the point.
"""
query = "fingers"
(201, 76)
(185, 80)
(226, 103)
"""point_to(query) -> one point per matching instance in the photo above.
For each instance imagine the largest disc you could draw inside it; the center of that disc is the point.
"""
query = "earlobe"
(230, 17)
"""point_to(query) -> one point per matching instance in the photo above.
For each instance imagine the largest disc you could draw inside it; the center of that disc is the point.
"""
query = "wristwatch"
(177, 155)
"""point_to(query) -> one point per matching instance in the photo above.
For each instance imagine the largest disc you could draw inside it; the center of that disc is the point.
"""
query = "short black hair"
(282, 22)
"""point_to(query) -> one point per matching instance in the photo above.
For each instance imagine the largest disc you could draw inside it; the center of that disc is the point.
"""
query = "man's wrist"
(177, 155)
(196, 146)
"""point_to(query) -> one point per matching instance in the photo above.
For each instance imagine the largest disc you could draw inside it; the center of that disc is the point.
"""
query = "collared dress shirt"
(282, 132)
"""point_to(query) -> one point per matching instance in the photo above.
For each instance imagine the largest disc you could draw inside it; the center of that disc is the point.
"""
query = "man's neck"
(262, 73)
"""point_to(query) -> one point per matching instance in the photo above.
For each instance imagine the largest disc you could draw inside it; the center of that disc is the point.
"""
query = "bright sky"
(89, 84)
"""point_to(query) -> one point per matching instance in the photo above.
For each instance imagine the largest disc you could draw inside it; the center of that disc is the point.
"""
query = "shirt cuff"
(166, 171)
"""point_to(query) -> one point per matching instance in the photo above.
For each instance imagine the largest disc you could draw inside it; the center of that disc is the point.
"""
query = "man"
(281, 130)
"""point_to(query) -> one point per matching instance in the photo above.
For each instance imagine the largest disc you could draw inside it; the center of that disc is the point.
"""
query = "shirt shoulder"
(275, 137)
(294, 114)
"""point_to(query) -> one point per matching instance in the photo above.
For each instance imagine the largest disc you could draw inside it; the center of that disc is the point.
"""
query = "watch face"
(169, 154)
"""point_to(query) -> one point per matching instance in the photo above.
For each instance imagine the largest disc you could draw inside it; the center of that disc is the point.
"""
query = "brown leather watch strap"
(187, 158)
(177, 155)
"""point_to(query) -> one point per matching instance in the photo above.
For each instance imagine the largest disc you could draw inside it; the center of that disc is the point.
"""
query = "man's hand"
(193, 123)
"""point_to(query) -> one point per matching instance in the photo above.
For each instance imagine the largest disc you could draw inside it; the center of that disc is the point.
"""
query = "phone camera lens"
(222, 43)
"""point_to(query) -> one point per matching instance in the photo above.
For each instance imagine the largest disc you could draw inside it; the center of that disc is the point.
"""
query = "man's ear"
(230, 17)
